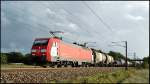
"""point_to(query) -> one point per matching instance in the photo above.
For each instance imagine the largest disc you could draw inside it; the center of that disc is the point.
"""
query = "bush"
(145, 65)
(3, 58)
(27, 59)
(15, 57)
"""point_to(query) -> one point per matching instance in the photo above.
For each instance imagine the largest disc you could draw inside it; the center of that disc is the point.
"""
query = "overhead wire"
(83, 23)
(99, 18)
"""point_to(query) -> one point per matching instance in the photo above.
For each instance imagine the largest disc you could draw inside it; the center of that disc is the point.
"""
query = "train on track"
(54, 52)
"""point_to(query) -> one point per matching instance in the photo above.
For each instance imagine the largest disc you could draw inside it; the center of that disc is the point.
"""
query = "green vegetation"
(15, 57)
(139, 76)
(145, 63)
(120, 76)
(116, 55)
(3, 58)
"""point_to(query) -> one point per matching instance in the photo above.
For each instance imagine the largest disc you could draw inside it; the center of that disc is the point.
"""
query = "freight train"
(54, 52)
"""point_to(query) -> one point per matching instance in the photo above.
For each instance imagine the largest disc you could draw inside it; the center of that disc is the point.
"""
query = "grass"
(140, 76)
(14, 65)
(120, 76)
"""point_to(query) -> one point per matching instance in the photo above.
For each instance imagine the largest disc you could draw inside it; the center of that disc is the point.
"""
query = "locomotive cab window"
(40, 42)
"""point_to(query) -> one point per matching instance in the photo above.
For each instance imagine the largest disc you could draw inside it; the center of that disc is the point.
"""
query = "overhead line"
(100, 19)
(78, 20)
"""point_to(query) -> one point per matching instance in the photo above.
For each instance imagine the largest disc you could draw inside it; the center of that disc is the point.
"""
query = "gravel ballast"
(44, 75)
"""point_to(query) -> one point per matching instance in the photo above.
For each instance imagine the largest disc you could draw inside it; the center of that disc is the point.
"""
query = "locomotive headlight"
(33, 54)
(43, 50)
(33, 50)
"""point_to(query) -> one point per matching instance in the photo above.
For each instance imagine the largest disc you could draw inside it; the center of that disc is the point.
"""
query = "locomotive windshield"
(40, 42)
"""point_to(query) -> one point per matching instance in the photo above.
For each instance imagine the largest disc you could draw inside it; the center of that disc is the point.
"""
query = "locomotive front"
(39, 50)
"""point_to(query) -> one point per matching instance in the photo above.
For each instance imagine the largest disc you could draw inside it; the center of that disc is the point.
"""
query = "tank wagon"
(55, 52)
(102, 59)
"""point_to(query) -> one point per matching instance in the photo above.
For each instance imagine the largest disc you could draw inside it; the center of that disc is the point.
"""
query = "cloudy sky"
(22, 22)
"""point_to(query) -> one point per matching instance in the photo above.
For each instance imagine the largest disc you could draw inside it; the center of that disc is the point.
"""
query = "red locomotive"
(55, 52)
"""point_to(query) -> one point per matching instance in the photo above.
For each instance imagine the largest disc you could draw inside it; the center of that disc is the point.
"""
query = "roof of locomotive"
(46, 38)
(76, 45)
(41, 38)
(63, 42)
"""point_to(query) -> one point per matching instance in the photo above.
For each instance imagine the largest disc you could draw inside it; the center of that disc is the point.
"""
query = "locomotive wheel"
(45, 66)
(62, 66)
(59, 66)
(65, 65)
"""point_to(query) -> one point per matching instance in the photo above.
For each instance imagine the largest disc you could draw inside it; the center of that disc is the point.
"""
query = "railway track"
(44, 75)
